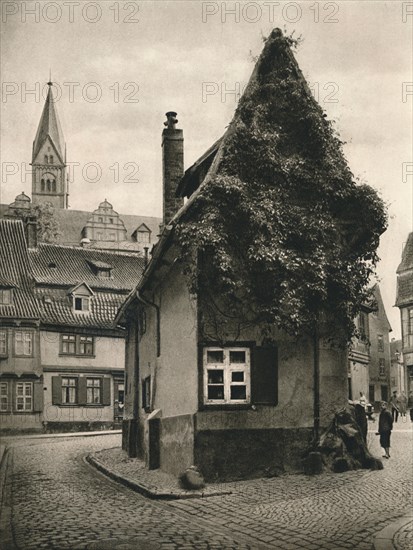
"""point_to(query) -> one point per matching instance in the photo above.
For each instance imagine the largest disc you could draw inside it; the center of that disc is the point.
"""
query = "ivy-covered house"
(236, 351)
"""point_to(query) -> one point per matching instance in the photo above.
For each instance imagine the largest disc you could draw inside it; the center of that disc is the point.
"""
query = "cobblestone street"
(59, 501)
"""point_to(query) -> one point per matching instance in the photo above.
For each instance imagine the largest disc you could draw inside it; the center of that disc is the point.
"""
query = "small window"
(43, 185)
(76, 344)
(23, 343)
(143, 237)
(100, 219)
(6, 296)
(69, 390)
(146, 393)
(81, 303)
(99, 236)
(86, 345)
(24, 396)
(362, 325)
(380, 342)
(46, 159)
(3, 343)
(226, 375)
(51, 159)
(53, 186)
(68, 344)
(382, 367)
(94, 391)
(49, 185)
(111, 220)
(4, 396)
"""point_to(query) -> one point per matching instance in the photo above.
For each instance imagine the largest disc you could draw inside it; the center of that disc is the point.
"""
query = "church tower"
(49, 182)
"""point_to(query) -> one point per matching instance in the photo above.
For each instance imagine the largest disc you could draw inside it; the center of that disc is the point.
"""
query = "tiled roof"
(404, 289)
(56, 308)
(15, 270)
(71, 223)
(407, 255)
(72, 266)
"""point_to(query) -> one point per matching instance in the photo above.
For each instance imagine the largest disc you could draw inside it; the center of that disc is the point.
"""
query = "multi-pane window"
(4, 396)
(3, 342)
(94, 390)
(143, 237)
(69, 390)
(23, 343)
(382, 367)
(146, 393)
(69, 344)
(226, 375)
(363, 325)
(24, 396)
(380, 342)
(5, 296)
(407, 327)
(81, 303)
(76, 344)
(86, 345)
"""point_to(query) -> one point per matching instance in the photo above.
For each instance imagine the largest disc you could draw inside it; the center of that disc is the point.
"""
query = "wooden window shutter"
(82, 390)
(38, 396)
(264, 375)
(106, 391)
(56, 390)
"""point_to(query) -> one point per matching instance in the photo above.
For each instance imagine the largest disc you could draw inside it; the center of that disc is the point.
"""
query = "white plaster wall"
(109, 353)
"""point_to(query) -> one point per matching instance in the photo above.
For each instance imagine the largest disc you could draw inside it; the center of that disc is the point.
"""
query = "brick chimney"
(30, 227)
(172, 166)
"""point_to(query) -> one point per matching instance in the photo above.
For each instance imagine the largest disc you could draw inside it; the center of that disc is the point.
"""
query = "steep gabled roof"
(49, 125)
(15, 272)
(60, 265)
(407, 255)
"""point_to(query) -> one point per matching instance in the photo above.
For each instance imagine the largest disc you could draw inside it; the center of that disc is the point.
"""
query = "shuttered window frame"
(263, 376)
(106, 383)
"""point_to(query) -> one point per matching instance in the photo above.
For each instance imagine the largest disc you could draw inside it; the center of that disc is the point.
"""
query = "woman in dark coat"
(385, 428)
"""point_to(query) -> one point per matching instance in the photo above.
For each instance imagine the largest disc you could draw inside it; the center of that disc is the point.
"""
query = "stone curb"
(383, 540)
(146, 491)
(64, 434)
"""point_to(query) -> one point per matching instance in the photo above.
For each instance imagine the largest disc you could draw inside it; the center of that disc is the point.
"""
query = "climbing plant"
(281, 231)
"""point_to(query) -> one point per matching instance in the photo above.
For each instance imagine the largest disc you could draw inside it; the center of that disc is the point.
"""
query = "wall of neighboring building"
(109, 351)
(21, 385)
(379, 368)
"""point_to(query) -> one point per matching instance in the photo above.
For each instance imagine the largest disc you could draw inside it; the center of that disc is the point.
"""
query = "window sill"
(225, 406)
(78, 405)
(81, 355)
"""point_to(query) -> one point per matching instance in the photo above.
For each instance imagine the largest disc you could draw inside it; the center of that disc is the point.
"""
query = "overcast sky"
(119, 66)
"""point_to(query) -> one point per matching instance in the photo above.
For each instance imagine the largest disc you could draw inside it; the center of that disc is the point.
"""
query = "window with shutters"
(3, 343)
(23, 343)
(4, 396)
(81, 391)
(226, 375)
(94, 391)
(24, 396)
(69, 390)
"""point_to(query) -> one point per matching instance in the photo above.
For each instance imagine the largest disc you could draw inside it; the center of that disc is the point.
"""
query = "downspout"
(316, 385)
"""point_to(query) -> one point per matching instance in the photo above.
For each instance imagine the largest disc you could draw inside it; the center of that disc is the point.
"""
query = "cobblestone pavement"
(403, 539)
(60, 502)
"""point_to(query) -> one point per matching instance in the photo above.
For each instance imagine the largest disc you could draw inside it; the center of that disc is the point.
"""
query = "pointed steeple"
(49, 126)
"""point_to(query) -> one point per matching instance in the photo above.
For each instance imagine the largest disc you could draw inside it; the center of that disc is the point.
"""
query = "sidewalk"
(9, 438)
(396, 536)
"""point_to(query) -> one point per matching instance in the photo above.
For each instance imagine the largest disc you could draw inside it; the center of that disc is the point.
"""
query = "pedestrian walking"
(410, 404)
(385, 428)
(395, 406)
(403, 406)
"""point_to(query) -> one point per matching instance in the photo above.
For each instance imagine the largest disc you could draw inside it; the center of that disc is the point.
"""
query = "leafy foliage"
(281, 230)
(47, 224)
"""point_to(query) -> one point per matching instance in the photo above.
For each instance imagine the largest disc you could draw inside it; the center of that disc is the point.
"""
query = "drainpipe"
(316, 346)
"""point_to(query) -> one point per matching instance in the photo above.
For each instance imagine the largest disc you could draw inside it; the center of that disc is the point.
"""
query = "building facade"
(404, 301)
(59, 343)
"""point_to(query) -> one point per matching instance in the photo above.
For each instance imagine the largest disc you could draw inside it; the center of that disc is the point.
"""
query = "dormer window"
(81, 304)
(6, 296)
(142, 234)
(81, 296)
(101, 269)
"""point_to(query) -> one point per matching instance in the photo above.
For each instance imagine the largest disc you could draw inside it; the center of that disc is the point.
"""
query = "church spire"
(49, 157)
(49, 126)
